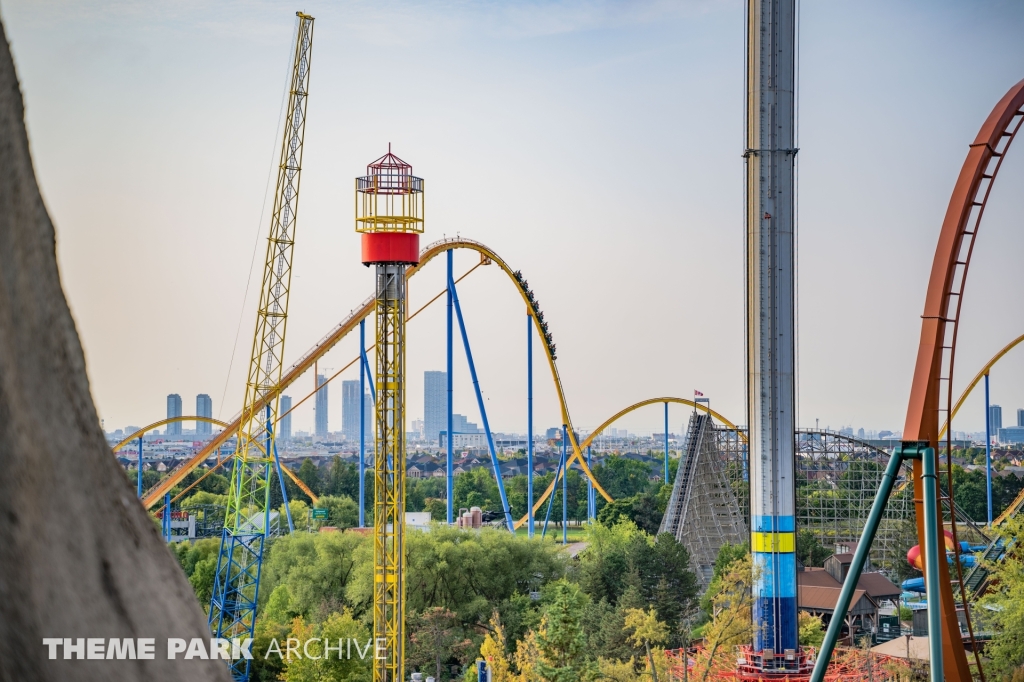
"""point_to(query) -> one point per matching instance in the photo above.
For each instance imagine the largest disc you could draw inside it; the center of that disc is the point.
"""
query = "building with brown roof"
(818, 592)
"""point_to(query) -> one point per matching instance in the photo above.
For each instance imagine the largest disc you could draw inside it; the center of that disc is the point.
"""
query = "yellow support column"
(389, 473)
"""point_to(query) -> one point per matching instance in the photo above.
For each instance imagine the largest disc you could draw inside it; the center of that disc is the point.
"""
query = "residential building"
(435, 405)
(321, 406)
(173, 410)
(350, 411)
(460, 424)
(995, 418)
(204, 408)
(284, 425)
(1011, 434)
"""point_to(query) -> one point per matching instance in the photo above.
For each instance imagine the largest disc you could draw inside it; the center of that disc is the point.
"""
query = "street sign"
(320, 514)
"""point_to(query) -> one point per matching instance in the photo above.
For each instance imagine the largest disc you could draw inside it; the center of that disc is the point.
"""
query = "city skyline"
(536, 70)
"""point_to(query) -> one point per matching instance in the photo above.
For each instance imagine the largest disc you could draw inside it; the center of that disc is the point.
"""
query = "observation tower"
(389, 215)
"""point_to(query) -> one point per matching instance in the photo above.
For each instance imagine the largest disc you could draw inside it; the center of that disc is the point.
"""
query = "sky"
(596, 146)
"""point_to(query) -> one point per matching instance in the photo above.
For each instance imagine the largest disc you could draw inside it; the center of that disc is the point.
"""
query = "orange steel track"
(930, 395)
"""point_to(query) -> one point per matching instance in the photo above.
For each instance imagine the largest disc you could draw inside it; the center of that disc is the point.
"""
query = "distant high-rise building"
(860, 434)
(204, 408)
(284, 425)
(173, 410)
(995, 418)
(435, 405)
(350, 411)
(460, 424)
(321, 405)
(1020, 417)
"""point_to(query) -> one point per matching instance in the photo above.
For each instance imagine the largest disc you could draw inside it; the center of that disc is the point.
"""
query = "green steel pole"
(859, 557)
(930, 483)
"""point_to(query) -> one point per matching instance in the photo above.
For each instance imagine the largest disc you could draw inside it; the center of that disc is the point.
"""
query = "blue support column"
(139, 486)
(448, 428)
(551, 498)
(565, 489)
(988, 450)
(666, 445)
(590, 491)
(362, 423)
(167, 517)
(483, 410)
(529, 423)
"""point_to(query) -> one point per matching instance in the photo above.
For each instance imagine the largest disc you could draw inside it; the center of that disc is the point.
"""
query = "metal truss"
(837, 477)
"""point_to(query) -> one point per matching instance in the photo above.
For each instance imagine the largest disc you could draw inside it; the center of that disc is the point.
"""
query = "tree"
(809, 549)
(601, 568)
(492, 566)
(624, 477)
(561, 644)
(727, 555)
(316, 567)
(645, 512)
(343, 511)
(671, 585)
(310, 475)
(493, 651)
(1002, 611)
(342, 479)
(438, 509)
(811, 630)
(731, 623)
(476, 488)
(615, 512)
(526, 656)
(311, 667)
(435, 637)
(647, 630)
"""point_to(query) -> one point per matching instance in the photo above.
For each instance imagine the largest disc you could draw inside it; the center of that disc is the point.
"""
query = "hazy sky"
(595, 145)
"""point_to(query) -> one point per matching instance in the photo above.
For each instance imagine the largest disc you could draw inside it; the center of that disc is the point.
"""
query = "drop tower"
(770, 286)
(389, 216)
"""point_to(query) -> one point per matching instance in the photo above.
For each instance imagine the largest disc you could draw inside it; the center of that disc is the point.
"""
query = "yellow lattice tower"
(389, 214)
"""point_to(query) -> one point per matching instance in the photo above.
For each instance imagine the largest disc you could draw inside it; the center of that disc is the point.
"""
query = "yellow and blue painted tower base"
(773, 549)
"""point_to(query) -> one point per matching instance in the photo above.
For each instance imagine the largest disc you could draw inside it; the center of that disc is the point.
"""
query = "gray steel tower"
(770, 283)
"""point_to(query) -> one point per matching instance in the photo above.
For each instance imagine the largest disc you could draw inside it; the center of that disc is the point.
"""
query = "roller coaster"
(930, 410)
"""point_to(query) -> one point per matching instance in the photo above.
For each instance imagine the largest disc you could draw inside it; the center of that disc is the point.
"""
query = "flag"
(767, 215)
(698, 393)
